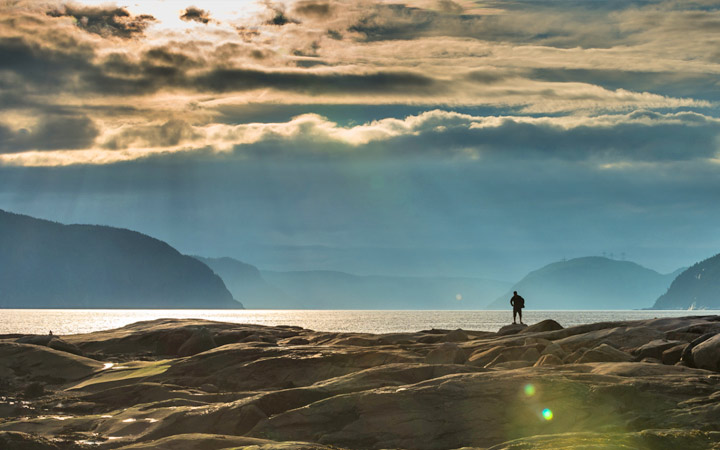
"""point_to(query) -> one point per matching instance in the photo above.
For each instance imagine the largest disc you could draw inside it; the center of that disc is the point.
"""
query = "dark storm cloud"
(313, 8)
(46, 69)
(105, 20)
(278, 16)
(170, 133)
(42, 64)
(227, 80)
(396, 21)
(488, 76)
(50, 133)
(194, 14)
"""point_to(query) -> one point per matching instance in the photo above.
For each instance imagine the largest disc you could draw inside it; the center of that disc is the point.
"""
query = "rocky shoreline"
(195, 384)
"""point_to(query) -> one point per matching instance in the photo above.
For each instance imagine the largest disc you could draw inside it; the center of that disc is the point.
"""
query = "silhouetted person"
(518, 303)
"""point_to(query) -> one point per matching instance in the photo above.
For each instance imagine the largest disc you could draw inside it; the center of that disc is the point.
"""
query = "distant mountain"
(696, 288)
(339, 290)
(322, 289)
(246, 283)
(588, 283)
(45, 264)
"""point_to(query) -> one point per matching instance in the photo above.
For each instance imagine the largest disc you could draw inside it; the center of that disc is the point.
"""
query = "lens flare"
(547, 414)
(529, 390)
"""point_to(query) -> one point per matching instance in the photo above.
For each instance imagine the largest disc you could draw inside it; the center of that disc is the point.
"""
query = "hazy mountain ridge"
(245, 282)
(696, 287)
(340, 290)
(46, 264)
(589, 283)
(325, 289)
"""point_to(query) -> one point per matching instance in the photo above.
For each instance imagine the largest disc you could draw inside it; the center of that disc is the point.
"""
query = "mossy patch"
(128, 372)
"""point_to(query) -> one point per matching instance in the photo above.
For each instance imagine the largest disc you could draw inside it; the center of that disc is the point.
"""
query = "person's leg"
(515, 311)
(520, 314)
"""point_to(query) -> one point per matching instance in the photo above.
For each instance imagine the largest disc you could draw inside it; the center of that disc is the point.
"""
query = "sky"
(418, 137)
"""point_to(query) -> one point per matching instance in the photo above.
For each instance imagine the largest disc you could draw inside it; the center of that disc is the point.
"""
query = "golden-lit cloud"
(133, 80)
(465, 136)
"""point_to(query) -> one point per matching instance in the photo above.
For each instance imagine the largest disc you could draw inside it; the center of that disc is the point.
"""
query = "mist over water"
(72, 321)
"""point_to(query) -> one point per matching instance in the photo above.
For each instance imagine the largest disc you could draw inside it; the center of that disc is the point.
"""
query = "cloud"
(278, 17)
(105, 20)
(320, 82)
(608, 142)
(194, 14)
(49, 133)
(152, 90)
(170, 133)
(380, 54)
(313, 8)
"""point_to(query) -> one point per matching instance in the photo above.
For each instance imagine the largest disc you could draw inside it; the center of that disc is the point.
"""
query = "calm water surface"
(70, 321)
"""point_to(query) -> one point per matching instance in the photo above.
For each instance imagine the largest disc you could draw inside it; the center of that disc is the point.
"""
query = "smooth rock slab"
(484, 409)
(706, 355)
(655, 348)
(43, 363)
(604, 353)
(513, 328)
(448, 353)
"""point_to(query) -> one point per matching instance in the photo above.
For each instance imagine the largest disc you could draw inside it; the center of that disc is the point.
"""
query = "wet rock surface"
(195, 384)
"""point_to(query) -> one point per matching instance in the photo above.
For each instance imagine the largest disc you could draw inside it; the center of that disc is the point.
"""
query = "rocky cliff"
(45, 264)
(696, 288)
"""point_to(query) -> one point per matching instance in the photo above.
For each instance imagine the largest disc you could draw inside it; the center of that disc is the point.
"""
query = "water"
(71, 321)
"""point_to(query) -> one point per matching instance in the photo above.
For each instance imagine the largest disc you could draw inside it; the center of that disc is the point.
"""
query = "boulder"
(252, 338)
(200, 341)
(706, 355)
(687, 355)
(673, 354)
(358, 341)
(510, 365)
(513, 328)
(654, 349)
(208, 387)
(59, 344)
(619, 337)
(13, 440)
(36, 339)
(169, 343)
(483, 358)
(512, 354)
(530, 355)
(48, 340)
(604, 353)
(34, 390)
(548, 360)
(447, 353)
(539, 343)
(545, 325)
(499, 359)
(574, 356)
(554, 349)
(296, 341)
(430, 339)
(455, 336)
(39, 363)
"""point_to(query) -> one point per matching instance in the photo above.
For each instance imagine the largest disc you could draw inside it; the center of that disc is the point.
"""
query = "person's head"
(515, 292)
